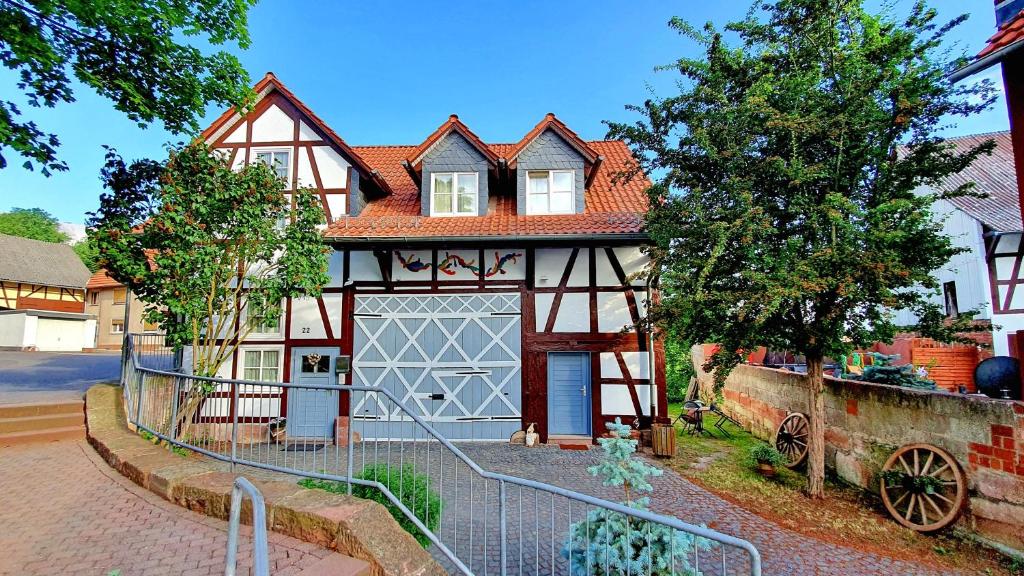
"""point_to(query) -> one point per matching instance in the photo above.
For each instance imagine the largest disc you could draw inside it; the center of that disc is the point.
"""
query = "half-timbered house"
(489, 286)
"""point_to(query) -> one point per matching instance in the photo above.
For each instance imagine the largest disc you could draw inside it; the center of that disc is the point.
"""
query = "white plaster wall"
(616, 400)
(12, 330)
(580, 270)
(306, 321)
(633, 260)
(238, 136)
(89, 333)
(364, 266)
(273, 126)
(305, 176)
(306, 134)
(332, 303)
(605, 273)
(336, 268)
(573, 313)
(612, 312)
(331, 166)
(549, 264)
(336, 202)
(542, 305)
(636, 364)
(610, 366)
(1004, 325)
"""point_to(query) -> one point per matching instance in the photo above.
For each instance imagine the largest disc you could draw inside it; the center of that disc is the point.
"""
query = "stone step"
(337, 565)
(41, 409)
(40, 423)
(36, 436)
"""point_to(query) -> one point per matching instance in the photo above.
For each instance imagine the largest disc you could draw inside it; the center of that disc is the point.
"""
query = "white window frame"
(551, 182)
(116, 323)
(255, 152)
(243, 353)
(277, 334)
(455, 194)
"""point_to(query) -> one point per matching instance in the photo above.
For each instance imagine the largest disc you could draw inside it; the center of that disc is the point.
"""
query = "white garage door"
(452, 359)
(54, 335)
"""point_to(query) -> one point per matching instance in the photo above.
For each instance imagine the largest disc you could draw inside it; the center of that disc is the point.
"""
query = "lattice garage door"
(454, 359)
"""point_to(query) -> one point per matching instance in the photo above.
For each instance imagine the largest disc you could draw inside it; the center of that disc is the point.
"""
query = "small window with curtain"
(550, 192)
(262, 365)
(453, 193)
(117, 326)
(949, 295)
(276, 159)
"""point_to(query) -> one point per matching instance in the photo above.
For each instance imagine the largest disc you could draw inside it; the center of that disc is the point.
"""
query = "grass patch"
(412, 489)
(848, 516)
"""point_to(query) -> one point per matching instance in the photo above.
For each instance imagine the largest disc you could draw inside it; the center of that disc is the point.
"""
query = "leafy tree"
(88, 253)
(212, 252)
(786, 215)
(34, 223)
(129, 51)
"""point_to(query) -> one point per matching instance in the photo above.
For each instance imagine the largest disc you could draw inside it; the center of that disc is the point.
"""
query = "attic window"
(550, 192)
(453, 193)
(276, 159)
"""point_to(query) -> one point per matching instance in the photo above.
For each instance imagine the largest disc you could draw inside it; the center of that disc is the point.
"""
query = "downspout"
(650, 358)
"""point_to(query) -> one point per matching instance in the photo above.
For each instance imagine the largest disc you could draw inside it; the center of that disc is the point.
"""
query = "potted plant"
(767, 458)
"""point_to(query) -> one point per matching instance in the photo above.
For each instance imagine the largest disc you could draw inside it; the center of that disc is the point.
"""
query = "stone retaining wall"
(359, 528)
(867, 422)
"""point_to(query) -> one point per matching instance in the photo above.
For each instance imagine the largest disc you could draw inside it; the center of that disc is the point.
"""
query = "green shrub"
(767, 454)
(413, 490)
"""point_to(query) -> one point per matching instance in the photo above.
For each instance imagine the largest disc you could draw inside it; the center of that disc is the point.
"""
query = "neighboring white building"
(986, 277)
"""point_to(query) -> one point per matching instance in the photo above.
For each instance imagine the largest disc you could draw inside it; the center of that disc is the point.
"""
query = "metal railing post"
(348, 446)
(234, 425)
(503, 527)
(174, 408)
(261, 560)
(138, 401)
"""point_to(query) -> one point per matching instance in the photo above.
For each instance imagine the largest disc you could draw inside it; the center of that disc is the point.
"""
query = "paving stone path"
(64, 511)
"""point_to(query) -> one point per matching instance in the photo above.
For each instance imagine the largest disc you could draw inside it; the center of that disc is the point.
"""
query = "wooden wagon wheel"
(923, 487)
(791, 439)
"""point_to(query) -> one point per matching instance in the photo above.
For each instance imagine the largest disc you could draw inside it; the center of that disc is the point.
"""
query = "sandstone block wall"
(866, 422)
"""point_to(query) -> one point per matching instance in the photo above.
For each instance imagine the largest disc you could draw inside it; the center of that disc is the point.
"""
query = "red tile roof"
(995, 176)
(100, 280)
(611, 207)
(1008, 33)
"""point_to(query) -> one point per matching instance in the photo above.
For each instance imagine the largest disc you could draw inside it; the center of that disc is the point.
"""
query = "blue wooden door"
(569, 398)
(311, 413)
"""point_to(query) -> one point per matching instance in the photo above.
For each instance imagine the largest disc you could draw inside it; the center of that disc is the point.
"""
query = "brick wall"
(866, 422)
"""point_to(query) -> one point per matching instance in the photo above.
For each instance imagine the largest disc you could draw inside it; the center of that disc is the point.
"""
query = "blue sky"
(391, 72)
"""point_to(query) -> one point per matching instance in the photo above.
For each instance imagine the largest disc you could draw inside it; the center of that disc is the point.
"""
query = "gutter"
(514, 238)
(987, 61)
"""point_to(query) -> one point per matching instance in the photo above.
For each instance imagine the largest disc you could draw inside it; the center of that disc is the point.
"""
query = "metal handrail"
(132, 363)
(260, 556)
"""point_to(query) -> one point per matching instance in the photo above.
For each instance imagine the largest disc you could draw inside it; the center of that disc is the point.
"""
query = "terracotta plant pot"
(765, 469)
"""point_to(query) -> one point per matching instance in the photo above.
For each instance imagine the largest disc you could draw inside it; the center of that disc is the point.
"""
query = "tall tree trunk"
(816, 414)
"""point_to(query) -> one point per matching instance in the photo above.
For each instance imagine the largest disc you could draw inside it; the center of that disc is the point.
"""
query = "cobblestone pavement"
(64, 511)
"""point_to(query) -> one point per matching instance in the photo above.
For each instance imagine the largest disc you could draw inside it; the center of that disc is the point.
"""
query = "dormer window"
(550, 192)
(276, 159)
(453, 193)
